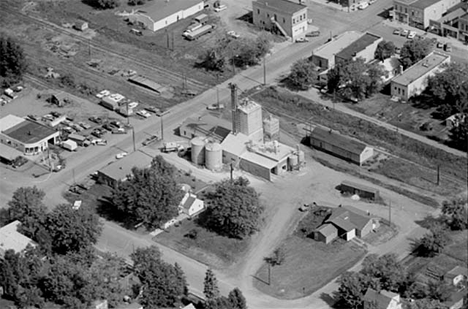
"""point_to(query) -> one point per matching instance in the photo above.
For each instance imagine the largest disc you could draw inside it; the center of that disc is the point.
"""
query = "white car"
(121, 155)
(133, 104)
(411, 35)
(363, 5)
(143, 113)
(220, 8)
(233, 34)
(102, 94)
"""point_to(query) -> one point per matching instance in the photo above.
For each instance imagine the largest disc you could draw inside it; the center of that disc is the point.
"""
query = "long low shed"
(361, 190)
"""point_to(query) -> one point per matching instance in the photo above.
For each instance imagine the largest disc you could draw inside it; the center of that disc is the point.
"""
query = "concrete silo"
(198, 151)
(213, 156)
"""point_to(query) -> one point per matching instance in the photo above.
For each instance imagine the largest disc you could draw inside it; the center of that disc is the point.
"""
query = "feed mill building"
(25, 135)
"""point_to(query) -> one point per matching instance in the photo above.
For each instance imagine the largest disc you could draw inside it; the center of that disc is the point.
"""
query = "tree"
(213, 59)
(425, 304)
(459, 135)
(13, 63)
(162, 284)
(432, 243)
(136, 2)
(107, 4)
(414, 50)
(151, 196)
(456, 213)
(384, 50)
(235, 210)
(277, 258)
(72, 230)
(237, 299)
(352, 289)
(27, 207)
(303, 74)
(210, 285)
(218, 303)
(438, 290)
(386, 269)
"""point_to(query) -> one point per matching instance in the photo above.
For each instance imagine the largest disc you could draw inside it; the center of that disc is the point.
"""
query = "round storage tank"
(301, 156)
(293, 160)
(213, 156)
(198, 153)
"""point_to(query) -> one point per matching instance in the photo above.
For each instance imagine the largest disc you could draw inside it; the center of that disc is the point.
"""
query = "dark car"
(107, 127)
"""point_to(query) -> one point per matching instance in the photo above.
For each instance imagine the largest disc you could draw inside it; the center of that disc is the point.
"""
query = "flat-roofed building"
(324, 56)
(287, 17)
(364, 48)
(414, 80)
(25, 135)
(158, 14)
(463, 28)
(418, 13)
(205, 126)
(11, 239)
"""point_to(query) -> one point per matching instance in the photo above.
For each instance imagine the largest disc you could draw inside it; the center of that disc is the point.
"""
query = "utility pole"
(390, 212)
(172, 40)
(438, 174)
(217, 95)
(128, 116)
(133, 136)
(162, 128)
(232, 169)
(269, 273)
(264, 71)
(167, 40)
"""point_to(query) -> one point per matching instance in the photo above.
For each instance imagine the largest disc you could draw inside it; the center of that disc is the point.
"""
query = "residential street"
(315, 182)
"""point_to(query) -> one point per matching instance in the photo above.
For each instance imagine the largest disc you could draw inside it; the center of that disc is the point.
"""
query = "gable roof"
(349, 218)
(10, 238)
(327, 230)
(421, 68)
(457, 270)
(359, 186)
(283, 5)
(357, 46)
(189, 201)
(337, 140)
(382, 298)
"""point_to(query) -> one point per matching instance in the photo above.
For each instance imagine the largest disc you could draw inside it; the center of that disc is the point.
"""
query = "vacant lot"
(308, 266)
(424, 159)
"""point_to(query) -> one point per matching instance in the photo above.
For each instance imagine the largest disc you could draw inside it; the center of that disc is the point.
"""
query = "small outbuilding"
(361, 190)
(81, 25)
(456, 275)
(326, 233)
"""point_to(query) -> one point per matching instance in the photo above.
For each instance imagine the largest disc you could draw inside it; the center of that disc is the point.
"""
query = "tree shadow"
(422, 101)
(106, 209)
(248, 17)
(429, 222)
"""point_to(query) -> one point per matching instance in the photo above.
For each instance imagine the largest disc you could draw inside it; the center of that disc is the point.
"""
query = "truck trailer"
(191, 36)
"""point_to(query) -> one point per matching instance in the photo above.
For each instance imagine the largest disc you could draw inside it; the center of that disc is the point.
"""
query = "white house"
(159, 14)
(191, 205)
(10, 238)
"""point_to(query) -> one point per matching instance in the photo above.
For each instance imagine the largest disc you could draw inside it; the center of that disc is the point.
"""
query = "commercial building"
(364, 48)
(414, 80)
(205, 126)
(25, 135)
(121, 169)
(324, 56)
(285, 17)
(11, 239)
(340, 145)
(159, 14)
(463, 28)
(418, 13)
(452, 24)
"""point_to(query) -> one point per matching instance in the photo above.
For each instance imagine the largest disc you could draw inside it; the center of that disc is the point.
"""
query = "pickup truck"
(172, 147)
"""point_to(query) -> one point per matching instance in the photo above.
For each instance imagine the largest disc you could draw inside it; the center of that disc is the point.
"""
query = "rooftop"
(383, 298)
(464, 17)
(159, 9)
(272, 150)
(421, 68)
(458, 270)
(333, 47)
(235, 143)
(338, 140)
(147, 83)
(259, 160)
(357, 46)
(120, 169)
(188, 200)
(25, 131)
(283, 5)
(9, 153)
(248, 106)
(359, 186)
(327, 229)
(209, 126)
(349, 218)
(422, 4)
(10, 238)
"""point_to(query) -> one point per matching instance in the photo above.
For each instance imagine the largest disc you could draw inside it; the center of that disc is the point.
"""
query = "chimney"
(234, 105)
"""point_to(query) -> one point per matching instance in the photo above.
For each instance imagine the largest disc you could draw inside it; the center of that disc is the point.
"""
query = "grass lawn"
(308, 266)
(207, 247)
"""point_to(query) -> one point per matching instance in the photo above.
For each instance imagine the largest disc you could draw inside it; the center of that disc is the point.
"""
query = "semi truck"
(191, 36)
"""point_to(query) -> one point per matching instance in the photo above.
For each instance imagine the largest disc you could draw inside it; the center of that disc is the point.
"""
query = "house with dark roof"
(158, 14)
(121, 169)
(285, 17)
(364, 48)
(351, 222)
(340, 145)
(381, 300)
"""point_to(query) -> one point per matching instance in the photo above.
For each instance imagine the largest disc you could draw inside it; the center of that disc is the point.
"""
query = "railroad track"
(169, 75)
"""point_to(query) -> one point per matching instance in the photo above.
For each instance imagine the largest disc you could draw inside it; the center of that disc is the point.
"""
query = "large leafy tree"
(218, 303)
(19, 276)
(352, 289)
(303, 74)
(384, 50)
(72, 230)
(162, 284)
(425, 303)
(433, 242)
(459, 134)
(237, 299)
(456, 213)
(235, 210)
(439, 290)
(13, 63)
(386, 269)
(26, 206)
(106, 4)
(414, 50)
(210, 285)
(151, 195)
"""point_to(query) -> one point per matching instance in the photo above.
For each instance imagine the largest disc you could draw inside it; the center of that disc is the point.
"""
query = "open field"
(308, 266)
(425, 158)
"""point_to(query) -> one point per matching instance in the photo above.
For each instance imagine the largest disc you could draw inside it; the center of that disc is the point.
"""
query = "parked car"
(447, 47)
(313, 34)
(397, 50)
(411, 35)
(55, 114)
(121, 155)
(396, 31)
(102, 94)
(302, 40)
(222, 7)
(143, 113)
(107, 127)
(97, 120)
(212, 107)
(363, 6)
(153, 109)
(233, 34)
(84, 125)
(150, 140)
(404, 32)
(116, 123)
(440, 45)
(119, 131)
